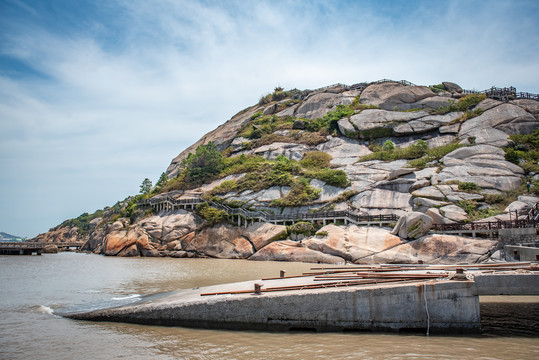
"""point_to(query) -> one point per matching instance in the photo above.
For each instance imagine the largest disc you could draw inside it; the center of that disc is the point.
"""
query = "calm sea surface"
(33, 287)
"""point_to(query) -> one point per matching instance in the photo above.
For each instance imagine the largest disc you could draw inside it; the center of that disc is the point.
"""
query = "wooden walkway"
(244, 217)
(28, 247)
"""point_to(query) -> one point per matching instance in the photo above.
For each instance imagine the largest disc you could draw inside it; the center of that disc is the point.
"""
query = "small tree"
(204, 164)
(146, 186)
(163, 179)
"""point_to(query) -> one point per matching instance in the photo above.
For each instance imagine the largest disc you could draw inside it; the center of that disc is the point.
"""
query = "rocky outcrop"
(288, 250)
(318, 105)
(389, 95)
(412, 226)
(494, 126)
(50, 249)
(62, 234)
(436, 249)
(352, 243)
(483, 165)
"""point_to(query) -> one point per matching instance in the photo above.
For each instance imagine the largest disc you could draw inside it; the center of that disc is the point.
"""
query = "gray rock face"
(531, 106)
(290, 150)
(483, 165)
(382, 199)
(437, 218)
(494, 126)
(413, 225)
(425, 124)
(328, 192)
(373, 118)
(343, 151)
(388, 95)
(433, 102)
(452, 87)
(318, 105)
(454, 213)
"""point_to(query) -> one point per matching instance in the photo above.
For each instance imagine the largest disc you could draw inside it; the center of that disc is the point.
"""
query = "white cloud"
(106, 115)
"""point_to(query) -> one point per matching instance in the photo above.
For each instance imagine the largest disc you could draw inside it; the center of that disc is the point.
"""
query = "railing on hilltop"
(502, 94)
(530, 220)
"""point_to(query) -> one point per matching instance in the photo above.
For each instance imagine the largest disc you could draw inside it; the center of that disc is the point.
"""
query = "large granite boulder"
(372, 119)
(288, 250)
(436, 249)
(494, 126)
(531, 106)
(318, 105)
(352, 243)
(390, 94)
(413, 225)
(50, 249)
(221, 241)
(128, 242)
(483, 165)
(452, 87)
(231, 242)
(170, 227)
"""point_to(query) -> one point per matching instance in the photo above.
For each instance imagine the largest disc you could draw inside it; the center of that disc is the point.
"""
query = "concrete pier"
(439, 306)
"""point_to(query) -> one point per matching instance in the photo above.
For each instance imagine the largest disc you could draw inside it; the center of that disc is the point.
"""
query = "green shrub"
(413, 151)
(388, 146)
(302, 227)
(468, 186)
(212, 215)
(329, 176)
(321, 234)
(315, 159)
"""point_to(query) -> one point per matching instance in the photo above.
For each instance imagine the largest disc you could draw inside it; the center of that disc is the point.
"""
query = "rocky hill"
(380, 148)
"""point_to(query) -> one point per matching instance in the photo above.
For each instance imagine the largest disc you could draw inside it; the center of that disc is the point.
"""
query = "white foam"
(132, 296)
(44, 309)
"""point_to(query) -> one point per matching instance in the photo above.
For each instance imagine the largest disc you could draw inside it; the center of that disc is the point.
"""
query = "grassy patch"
(301, 193)
(471, 208)
(414, 151)
(464, 104)
(525, 151)
(432, 154)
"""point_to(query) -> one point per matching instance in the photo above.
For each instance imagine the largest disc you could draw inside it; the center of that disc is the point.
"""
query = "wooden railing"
(36, 245)
(530, 220)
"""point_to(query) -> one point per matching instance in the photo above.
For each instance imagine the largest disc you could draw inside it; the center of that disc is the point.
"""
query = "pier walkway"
(29, 248)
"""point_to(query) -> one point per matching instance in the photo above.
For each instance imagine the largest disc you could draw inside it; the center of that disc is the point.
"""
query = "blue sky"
(97, 95)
